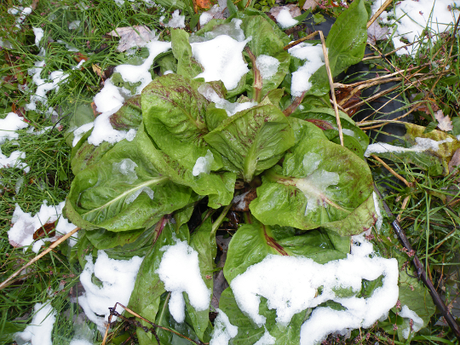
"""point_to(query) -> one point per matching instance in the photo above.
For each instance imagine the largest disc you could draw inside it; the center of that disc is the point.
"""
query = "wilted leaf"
(310, 5)
(444, 122)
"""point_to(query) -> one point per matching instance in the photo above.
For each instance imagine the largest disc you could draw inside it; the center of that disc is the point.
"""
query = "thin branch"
(421, 273)
(38, 257)
(379, 12)
(300, 40)
(331, 85)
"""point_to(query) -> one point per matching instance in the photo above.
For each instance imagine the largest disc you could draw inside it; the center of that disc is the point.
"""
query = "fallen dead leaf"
(444, 121)
(132, 36)
(454, 161)
(375, 33)
(46, 230)
(310, 5)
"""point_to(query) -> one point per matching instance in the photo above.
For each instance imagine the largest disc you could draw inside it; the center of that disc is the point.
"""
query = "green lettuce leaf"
(265, 41)
(320, 184)
(174, 117)
(345, 42)
(249, 333)
(253, 242)
(253, 140)
(219, 187)
(145, 298)
(187, 66)
(123, 192)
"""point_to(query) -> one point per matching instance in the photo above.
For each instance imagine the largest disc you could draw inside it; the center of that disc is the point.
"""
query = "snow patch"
(285, 19)
(422, 144)
(179, 270)
(223, 329)
(267, 339)
(411, 315)
(117, 278)
(176, 21)
(267, 66)
(126, 167)
(203, 164)
(39, 330)
(11, 123)
(24, 225)
(221, 59)
(292, 284)
(231, 108)
(414, 16)
(315, 59)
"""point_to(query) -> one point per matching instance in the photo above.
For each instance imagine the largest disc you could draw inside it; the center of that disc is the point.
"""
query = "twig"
(331, 85)
(114, 312)
(38, 257)
(379, 12)
(403, 207)
(420, 270)
(300, 40)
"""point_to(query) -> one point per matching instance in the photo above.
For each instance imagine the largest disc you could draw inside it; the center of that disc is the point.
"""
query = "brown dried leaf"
(444, 122)
(376, 33)
(454, 161)
(46, 230)
(132, 36)
(310, 5)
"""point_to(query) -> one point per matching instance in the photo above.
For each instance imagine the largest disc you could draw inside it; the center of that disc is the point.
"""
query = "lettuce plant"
(136, 197)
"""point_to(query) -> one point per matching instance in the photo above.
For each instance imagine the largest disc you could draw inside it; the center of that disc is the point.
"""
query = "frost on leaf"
(315, 185)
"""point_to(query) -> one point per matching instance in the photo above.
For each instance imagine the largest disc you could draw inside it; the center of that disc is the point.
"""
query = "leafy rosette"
(319, 184)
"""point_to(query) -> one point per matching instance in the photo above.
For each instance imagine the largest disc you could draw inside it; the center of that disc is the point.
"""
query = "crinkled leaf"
(85, 154)
(345, 42)
(265, 41)
(253, 242)
(122, 245)
(325, 119)
(174, 117)
(320, 184)
(219, 187)
(123, 192)
(187, 66)
(145, 298)
(128, 117)
(253, 140)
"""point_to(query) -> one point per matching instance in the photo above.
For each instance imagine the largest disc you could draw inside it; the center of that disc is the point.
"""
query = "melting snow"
(127, 168)
(315, 59)
(285, 19)
(267, 339)
(176, 21)
(11, 123)
(222, 59)
(422, 144)
(231, 108)
(180, 272)
(203, 164)
(411, 315)
(111, 98)
(267, 66)
(22, 232)
(39, 330)
(117, 278)
(291, 285)
(138, 192)
(223, 329)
